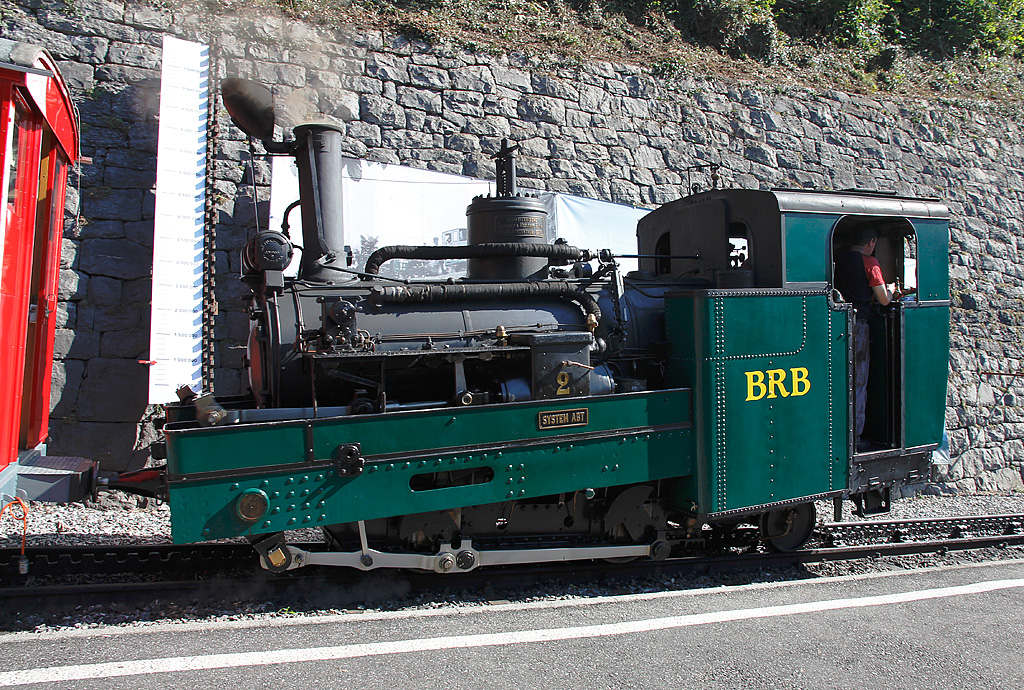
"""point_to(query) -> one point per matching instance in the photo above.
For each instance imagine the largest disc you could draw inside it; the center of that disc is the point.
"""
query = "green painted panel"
(932, 258)
(526, 462)
(807, 246)
(769, 426)
(926, 368)
(197, 449)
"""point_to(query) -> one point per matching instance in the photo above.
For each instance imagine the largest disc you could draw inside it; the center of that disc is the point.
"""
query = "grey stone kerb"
(601, 130)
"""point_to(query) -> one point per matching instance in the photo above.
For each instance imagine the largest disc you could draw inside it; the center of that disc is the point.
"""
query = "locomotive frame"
(544, 409)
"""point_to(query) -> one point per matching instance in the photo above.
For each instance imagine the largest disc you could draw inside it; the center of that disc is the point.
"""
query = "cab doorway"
(884, 397)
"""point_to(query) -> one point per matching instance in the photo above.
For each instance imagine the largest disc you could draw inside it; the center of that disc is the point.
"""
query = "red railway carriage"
(39, 135)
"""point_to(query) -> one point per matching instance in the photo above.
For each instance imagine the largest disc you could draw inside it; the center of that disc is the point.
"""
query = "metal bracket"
(349, 460)
(275, 555)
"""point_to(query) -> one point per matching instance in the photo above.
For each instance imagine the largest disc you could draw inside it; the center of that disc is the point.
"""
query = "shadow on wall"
(100, 388)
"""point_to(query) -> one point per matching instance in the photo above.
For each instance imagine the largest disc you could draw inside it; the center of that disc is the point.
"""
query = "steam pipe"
(562, 253)
(464, 292)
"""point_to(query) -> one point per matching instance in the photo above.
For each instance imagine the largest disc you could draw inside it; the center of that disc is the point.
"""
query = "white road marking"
(291, 656)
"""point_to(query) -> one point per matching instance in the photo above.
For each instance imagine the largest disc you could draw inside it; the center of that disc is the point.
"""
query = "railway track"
(136, 576)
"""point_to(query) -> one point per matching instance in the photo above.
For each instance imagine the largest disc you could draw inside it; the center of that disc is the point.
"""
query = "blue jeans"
(861, 367)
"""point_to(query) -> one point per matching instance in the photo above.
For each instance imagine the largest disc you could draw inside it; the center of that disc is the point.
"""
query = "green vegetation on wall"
(947, 48)
(941, 28)
(938, 27)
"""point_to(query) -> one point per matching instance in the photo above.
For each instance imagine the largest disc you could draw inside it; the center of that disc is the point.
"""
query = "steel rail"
(113, 559)
(313, 589)
(157, 558)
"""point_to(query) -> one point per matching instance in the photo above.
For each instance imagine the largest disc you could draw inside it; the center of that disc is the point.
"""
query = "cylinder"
(507, 219)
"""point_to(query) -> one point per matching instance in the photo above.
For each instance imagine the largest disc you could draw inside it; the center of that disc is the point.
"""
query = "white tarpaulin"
(384, 204)
(592, 224)
(393, 204)
(176, 331)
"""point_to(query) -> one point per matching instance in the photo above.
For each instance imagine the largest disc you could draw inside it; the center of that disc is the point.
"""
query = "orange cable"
(24, 518)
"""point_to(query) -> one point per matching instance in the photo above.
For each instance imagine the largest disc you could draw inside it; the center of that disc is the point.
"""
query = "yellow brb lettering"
(757, 388)
(775, 379)
(800, 382)
(755, 382)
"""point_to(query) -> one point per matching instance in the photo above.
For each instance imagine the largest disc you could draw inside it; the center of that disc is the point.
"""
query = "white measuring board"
(176, 331)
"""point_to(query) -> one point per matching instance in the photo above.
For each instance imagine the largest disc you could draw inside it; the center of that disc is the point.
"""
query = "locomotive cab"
(766, 342)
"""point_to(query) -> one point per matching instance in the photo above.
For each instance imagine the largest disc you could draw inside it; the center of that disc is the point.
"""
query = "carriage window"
(12, 158)
(663, 247)
(909, 263)
(740, 249)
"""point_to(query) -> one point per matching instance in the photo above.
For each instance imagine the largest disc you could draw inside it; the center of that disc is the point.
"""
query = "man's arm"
(877, 283)
(882, 294)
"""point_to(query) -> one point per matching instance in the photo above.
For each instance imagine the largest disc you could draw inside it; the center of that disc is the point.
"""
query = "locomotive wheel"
(788, 529)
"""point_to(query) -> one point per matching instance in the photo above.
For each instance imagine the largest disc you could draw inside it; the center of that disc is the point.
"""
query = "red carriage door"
(21, 139)
(49, 221)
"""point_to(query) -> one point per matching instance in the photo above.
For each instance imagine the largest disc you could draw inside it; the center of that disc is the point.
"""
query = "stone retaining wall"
(600, 130)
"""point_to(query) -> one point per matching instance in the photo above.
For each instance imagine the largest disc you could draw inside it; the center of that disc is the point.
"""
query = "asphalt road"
(959, 627)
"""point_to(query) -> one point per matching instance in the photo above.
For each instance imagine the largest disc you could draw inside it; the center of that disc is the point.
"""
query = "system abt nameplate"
(563, 418)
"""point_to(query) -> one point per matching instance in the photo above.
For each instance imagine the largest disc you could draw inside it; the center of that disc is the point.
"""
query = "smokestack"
(318, 156)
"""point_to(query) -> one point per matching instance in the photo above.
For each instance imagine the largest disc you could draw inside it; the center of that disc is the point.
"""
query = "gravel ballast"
(121, 519)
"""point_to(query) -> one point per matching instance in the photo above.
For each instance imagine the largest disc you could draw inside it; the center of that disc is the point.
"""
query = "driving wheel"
(788, 529)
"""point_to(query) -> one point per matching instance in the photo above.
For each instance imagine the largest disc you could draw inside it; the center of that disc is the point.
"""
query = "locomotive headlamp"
(252, 505)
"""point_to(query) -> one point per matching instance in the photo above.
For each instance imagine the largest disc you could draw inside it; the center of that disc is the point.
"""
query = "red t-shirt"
(874, 271)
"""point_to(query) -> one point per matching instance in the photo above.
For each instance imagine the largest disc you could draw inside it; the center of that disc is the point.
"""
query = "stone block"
(515, 79)
(229, 381)
(105, 203)
(114, 317)
(71, 198)
(149, 18)
(75, 344)
(365, 132)
(115, 258)
(463, 142)
(625, 192)
(66, 315)
(65, 380)
(124, 74)
(101, 9)
(71, 285)
(140, 232)
(429, 77)
(465, 102)
(647, 157)
(1005, 479)
(111, 444)
(113, 390)
(131, 178)
(491, 126)
(131, 344)
(557, 88)
(346, 106)
(378, 111)
(474, 78)
(101, 229)
(541, 109)
(79, 76)
(104, 291)
(237, 326)
(420, 99)
(134, 55)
